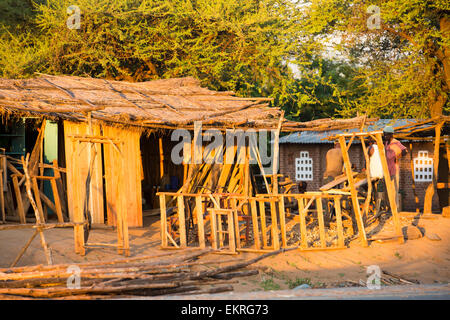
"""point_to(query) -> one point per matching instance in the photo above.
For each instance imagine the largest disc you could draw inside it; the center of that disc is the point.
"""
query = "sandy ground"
(422, 259)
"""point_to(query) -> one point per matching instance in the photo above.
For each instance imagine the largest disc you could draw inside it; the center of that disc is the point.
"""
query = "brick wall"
(288, 153)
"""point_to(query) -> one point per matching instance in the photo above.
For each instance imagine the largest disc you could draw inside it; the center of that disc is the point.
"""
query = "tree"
(403, 61)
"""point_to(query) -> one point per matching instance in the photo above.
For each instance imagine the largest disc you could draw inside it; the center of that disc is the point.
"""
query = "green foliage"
(403, 66)
(269, 284)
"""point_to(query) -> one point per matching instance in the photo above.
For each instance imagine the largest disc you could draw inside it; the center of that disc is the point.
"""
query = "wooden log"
(262, 212)
(231, 232)
(274, 228)
(282, 222)
(58, 207)
(162, 206)
(231, 275)
(428, 202)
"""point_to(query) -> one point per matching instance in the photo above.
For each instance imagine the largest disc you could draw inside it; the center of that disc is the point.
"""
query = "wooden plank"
(60, 187)
(236, 223)
(76, 206)
(389, 186)
(37, 197)
(302, 213)
(354, 194)
(340, 231)
(162, 207)
(274, 224)
(323, 240)
(231, 232)
(20, 210)
(124, 208)
(282, 222)
(428, 202)
(57, 200)
(256, 236)
(182, 221)
(213, 220)
(161, 158)
(2, 198)
(416, 198)
(262, 212)
(200, 221)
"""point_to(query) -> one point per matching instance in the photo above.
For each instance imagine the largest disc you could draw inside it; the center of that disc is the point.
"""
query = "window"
(423, 167)
(304, 167)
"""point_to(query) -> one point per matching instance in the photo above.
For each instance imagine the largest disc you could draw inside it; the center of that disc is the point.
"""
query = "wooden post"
(276, 155)
(323, 240)
(20, 210)
(60, 188)
(416, 198)
(282, 222)
(213, 220)
(231, 231)
(2, 198)
(389, 186)
(161, 158)
(182, 221)
(200, 222)
(302, 213)
(254, 212)
(77, 211)
(368, 177)
(57, 200)
(162, 209)
(275, 237)
(37, 196)
(262, 212)
(354, 193)
(337, 206)
(429, 193)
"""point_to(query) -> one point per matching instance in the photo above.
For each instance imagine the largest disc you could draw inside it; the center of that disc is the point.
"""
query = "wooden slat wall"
(80, 163)
(130, 188)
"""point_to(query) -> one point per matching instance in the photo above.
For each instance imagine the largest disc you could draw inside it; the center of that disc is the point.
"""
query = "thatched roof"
(167, 104)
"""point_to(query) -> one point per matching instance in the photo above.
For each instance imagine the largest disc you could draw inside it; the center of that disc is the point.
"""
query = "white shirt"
(376, 169)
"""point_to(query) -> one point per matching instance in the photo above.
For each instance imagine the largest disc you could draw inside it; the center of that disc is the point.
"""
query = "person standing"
(394, 151)
(376, 172)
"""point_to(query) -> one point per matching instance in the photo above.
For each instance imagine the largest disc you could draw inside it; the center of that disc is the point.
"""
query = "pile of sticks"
(163, 274)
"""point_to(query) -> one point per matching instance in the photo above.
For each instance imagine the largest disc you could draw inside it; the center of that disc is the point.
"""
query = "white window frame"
(304, 167)
(423, 167)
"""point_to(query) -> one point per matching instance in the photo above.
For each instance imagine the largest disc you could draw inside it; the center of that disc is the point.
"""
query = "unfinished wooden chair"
(217, 233)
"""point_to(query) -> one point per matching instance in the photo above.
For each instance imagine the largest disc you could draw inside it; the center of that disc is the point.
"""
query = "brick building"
(303, 158)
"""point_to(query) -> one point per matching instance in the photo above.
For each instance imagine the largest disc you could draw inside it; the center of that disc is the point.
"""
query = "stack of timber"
(163, 274)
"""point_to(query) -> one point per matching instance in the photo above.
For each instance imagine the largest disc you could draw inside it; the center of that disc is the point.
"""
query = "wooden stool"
(216, 230)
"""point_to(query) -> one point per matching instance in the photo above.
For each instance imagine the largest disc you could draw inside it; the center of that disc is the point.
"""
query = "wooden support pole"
(274, 224)
(282, 222)
(2, 198)
(213, 219)
(20, 209)
(262, 212)
(161, 158)
(182, 221)
(416, 198)
(256, 237)
(37, 196)
(323, 240)
(431, 190)
(276, 155)
(57, 200)
(37, 214)
(231, 232)
(302, 213)
(77, 211)
(337, 207)
(389, 186)
(354, 193)
(162, 209)
(200, 221)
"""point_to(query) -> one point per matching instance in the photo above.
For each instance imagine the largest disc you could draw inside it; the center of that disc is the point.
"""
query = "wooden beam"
(323, 240)
(200, 221)
(431, 190)
(161, 158)
(182, 221)
(389, 186)
(162, 209)
(354, 193)
(20, 209)
(340, 231)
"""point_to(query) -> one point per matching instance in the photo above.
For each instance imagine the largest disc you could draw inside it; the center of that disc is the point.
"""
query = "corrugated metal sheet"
(309, 137)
